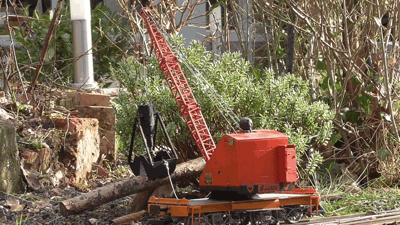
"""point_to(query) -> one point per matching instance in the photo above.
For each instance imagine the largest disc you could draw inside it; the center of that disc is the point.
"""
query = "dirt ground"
(42, 207)
(39, 204)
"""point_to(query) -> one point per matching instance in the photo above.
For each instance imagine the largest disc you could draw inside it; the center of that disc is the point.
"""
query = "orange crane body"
(250, 163)
(243, 164)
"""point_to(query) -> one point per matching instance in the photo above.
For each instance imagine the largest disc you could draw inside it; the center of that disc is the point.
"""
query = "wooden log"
(140, 200)
(121, 189)
(133, 217)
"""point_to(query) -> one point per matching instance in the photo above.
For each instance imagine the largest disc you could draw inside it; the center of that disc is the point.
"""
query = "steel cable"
(206, 87)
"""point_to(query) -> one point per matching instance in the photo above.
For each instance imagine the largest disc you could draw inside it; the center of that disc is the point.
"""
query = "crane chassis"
(261, 209)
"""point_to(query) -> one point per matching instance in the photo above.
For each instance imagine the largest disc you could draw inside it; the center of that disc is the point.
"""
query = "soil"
(42, 207)
(40, 202)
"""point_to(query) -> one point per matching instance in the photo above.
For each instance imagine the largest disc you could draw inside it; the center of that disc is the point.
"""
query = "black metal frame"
(150, 163)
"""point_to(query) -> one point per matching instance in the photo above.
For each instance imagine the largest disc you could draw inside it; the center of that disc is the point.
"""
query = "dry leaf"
(350, 203)
(55, 179)
(56, 191)
(42, 203)
(31, 177)
(13, 203)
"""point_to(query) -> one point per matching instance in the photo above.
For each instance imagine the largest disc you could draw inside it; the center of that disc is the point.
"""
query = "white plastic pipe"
(80, 9)
(54, 4)
(82, 42)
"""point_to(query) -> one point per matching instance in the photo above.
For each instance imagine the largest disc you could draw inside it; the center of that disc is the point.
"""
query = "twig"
(386, 80)
(15, 196)
(4, 67)
(112, 43)
(66, 132)
(291, 39)
(48, 133)
(12, 46)
(337, 210)
(53, 25)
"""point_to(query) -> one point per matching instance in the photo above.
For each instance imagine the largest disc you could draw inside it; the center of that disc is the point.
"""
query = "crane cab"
(261, 161)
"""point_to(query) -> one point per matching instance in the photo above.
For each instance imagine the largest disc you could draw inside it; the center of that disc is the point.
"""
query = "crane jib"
(190, 109)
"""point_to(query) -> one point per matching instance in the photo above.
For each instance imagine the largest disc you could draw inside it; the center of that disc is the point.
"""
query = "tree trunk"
(291, 40)
(121, 189)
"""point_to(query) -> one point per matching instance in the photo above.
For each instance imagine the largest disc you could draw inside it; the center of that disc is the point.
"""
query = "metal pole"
(82, 42)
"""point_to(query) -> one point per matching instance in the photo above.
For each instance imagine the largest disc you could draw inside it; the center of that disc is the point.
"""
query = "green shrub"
(108, 37)
(272, 102)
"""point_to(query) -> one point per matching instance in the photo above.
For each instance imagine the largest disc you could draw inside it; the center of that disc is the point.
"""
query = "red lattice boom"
(190, 109)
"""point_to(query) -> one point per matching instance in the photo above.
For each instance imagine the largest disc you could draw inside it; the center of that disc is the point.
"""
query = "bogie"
(290, 214)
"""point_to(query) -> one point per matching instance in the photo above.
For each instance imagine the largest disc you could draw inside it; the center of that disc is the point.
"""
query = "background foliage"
(342, 55)
(109, 38)
(272, 102)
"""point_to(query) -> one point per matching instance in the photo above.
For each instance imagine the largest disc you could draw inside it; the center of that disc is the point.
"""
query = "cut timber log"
(121, 189)
(140, 200)
(129, 218)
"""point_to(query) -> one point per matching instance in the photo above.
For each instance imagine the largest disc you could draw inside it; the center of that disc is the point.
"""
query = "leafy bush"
(108, 37)
(33, 42)
(278, 103)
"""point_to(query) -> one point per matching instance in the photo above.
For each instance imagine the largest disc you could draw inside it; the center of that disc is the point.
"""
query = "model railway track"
(389, 217)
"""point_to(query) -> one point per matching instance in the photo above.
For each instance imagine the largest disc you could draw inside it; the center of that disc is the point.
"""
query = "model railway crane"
(251, 173)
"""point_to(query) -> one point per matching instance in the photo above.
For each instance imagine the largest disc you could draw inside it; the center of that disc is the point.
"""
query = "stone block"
(45, 159)
(39, 160)
(10, 172)
(113, 92)
(75, 99)
(30, 157)
(106, 117)
(82, 147)
(107, 144)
